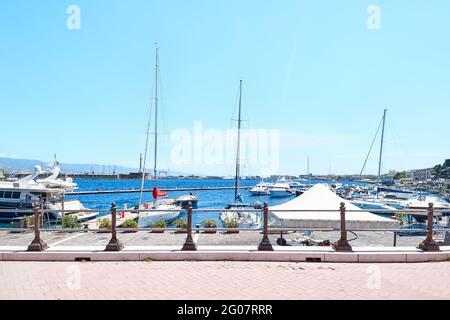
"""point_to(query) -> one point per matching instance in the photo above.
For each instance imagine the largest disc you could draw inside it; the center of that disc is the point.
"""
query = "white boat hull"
(259, 192)
(146, 219)
(278, 193)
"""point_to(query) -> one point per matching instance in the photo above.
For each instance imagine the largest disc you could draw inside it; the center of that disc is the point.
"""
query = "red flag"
(158, 193)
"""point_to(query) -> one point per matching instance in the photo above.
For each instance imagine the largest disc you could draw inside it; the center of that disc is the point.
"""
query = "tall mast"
(156, 119)
(148, 132)
(381, 148)
(238, 152)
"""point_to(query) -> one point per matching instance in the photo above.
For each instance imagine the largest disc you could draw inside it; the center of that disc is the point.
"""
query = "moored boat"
(184, 200)
(281, 189)
(261, 189)
(164, 211)
(240, 213)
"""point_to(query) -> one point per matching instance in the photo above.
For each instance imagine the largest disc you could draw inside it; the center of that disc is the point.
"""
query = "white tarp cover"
(320, 197)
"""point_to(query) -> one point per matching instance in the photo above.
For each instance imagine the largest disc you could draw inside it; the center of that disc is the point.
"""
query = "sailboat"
(244, 218)
(377, 202)
(167, 210)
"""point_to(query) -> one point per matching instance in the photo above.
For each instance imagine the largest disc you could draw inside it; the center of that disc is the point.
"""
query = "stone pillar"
(342, 244)
(37, 244)
(429, 244)
(265, 244)
(114, 244)
(189, 245)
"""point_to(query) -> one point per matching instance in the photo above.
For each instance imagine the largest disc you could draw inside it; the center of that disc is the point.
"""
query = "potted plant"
(181, 223)
(230, 223)
(158, 224)
(130, 224)
(104, 223)
(70, 222)
(210, 226)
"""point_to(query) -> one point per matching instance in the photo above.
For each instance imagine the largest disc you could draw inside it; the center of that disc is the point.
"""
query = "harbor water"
(209, 199)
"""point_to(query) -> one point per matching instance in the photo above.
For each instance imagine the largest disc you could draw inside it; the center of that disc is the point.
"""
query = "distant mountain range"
(17, 165)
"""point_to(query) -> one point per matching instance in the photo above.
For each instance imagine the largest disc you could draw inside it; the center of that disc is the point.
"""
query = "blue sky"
(311, 69)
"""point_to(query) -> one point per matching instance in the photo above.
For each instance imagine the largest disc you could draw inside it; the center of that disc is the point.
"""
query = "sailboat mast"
(381, 148)
(143, 165)
(156, 119)
(238, 152)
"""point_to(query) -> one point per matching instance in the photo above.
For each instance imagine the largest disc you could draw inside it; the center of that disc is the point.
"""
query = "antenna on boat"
(238, 152)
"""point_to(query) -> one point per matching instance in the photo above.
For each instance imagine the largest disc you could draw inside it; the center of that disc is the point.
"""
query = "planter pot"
(157, 231)
(231, 231)
(128, 231)
(211, 230)
(103, 231)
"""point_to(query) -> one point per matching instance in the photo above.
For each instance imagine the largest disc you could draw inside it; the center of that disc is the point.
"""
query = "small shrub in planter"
(210, 226)
(230, 223)
(158, 224)
(182, 224)
(130, 224)
(104, 223)
(70, 222)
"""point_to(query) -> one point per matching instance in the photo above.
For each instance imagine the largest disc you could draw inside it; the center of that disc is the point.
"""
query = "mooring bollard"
(189, 245)
(342, 244)
(429, 244)
(114, 244)
(265, 244)
(37, 244)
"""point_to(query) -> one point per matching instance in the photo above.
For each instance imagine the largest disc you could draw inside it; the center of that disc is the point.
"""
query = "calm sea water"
(208, 199)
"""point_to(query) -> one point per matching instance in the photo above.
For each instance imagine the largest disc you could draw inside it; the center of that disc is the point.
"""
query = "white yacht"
(421, 202)
(261, 189)
(23, 194)
(374, 206)
(281, 188)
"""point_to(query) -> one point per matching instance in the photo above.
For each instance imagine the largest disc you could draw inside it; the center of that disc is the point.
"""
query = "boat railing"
(265, 245)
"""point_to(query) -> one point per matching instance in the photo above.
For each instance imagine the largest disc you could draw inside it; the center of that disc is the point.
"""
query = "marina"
(259, 150)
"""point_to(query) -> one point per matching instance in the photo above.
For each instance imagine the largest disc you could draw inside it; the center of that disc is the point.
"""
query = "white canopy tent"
(320, 197)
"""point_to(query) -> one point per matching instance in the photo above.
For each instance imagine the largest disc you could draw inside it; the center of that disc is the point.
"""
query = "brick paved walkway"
(222, 280)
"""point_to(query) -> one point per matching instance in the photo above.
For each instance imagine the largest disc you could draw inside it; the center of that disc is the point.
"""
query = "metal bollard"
(429, 244)
(189, 245)
(265, 244)
(37, 244)
(114, 244)
(342, 244)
